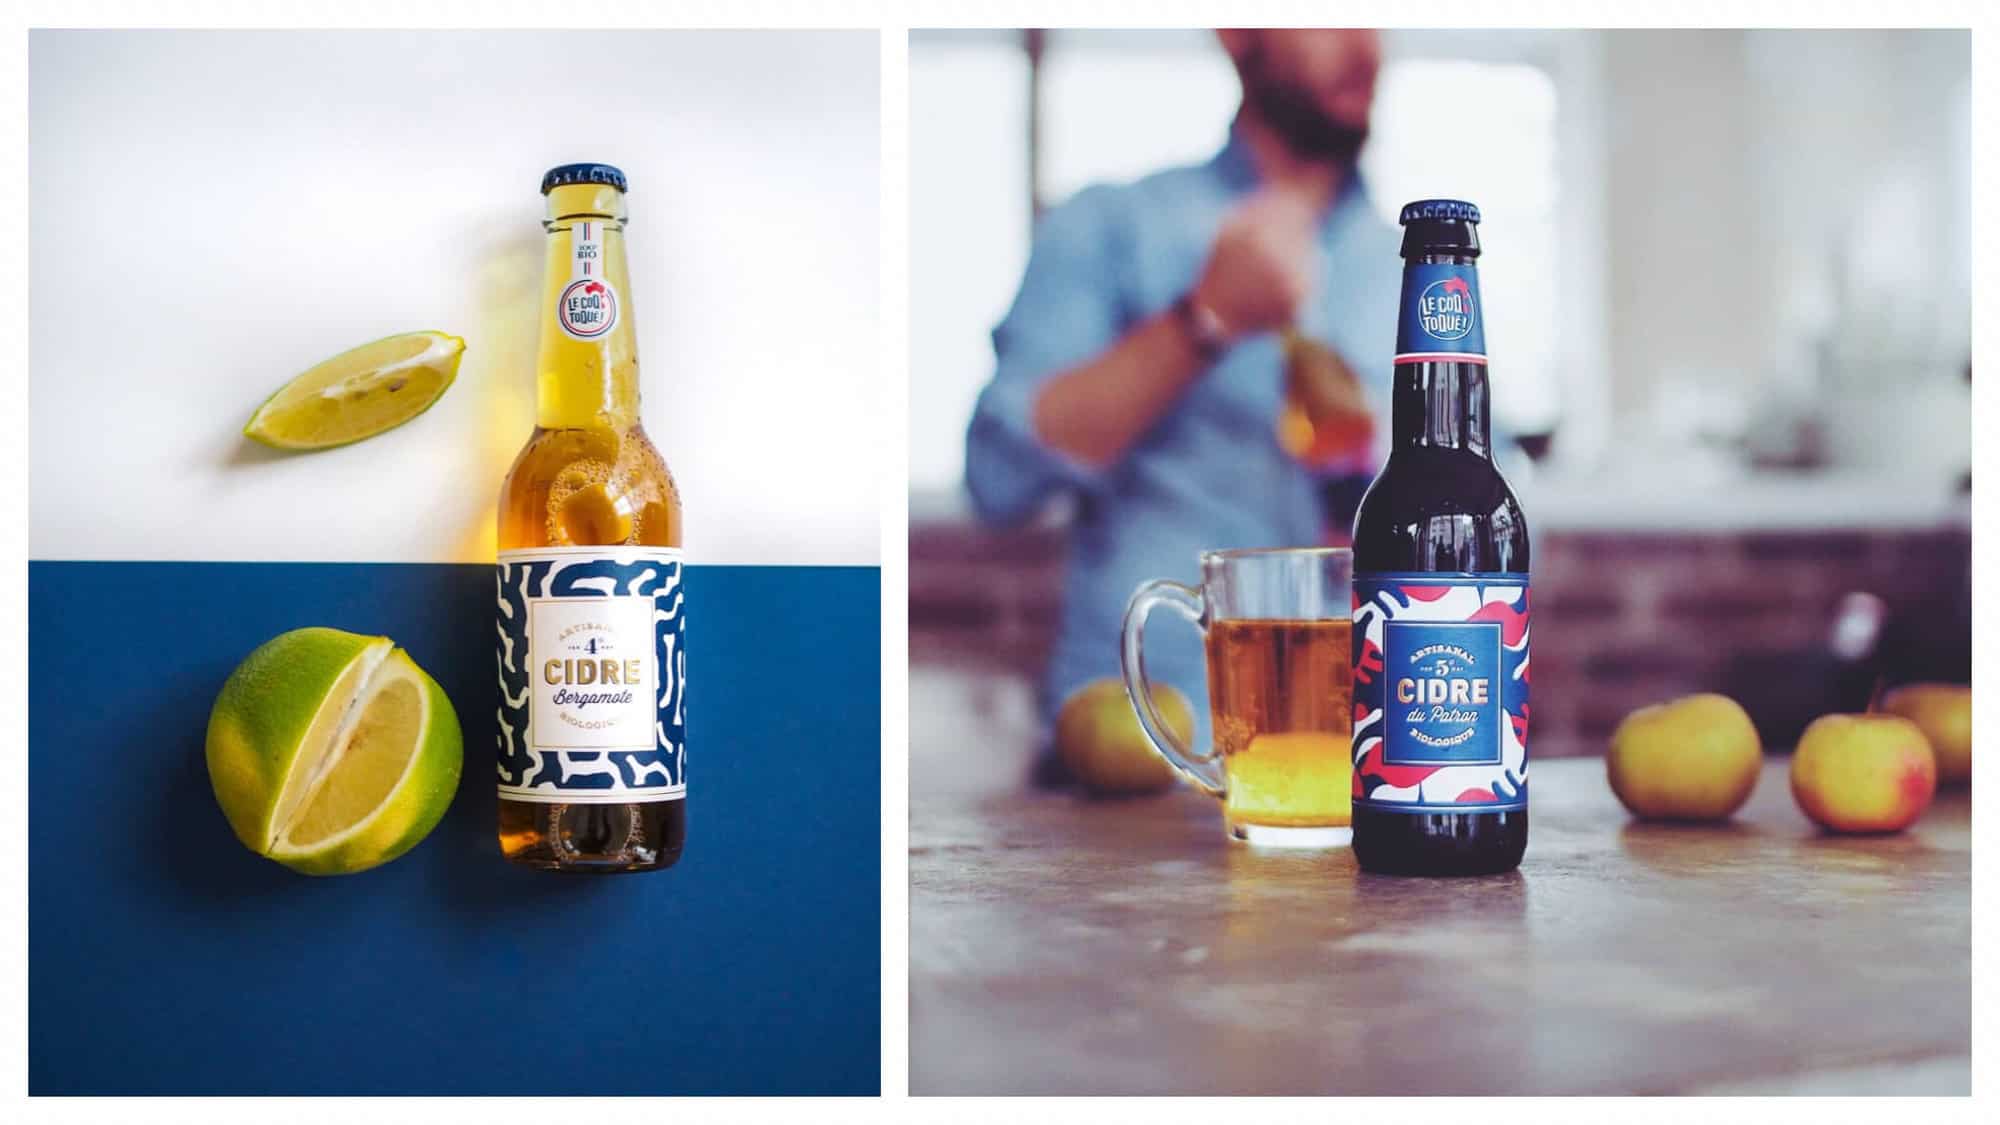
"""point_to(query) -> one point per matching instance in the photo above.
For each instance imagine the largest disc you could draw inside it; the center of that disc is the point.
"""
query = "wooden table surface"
(1065, 945)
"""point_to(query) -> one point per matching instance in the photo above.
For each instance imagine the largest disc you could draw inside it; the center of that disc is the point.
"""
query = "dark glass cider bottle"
(1441, 590)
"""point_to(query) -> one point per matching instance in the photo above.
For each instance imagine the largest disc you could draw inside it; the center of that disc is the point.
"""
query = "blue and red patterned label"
(1441, 319)
(592, 667)
(1441, 692)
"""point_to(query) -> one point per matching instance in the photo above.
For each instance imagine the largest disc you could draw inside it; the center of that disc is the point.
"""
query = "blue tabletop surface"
(166, 959)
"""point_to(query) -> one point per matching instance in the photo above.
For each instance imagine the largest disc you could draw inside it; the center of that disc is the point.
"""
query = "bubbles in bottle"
(606, 488)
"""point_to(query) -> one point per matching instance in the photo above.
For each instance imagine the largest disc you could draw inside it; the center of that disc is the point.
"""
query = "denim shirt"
(1209, 474)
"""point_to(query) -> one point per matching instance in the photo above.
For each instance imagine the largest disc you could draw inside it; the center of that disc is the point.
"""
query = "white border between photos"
(893, 17)
(895, 305)
(14, 586)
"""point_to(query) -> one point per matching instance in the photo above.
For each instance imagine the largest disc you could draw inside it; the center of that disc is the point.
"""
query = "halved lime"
(332, 752)
(359, 393)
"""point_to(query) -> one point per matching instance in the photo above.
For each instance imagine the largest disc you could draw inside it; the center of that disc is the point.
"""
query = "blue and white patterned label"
(1441, 692)
(1441, 320)
(592, 672)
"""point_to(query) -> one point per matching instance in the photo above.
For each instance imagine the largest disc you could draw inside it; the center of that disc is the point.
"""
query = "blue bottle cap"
(1445, 210)
(564, 174)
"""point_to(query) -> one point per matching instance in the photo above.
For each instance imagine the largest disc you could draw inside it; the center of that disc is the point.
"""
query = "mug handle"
(1186, 601)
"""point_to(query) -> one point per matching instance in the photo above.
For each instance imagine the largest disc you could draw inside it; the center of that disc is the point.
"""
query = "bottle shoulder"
(590, 487)
(1440, 510)
(550, 449)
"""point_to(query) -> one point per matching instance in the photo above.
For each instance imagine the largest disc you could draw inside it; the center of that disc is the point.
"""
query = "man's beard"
(1306, 130)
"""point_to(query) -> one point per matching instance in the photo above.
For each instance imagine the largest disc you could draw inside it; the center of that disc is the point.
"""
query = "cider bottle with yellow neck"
(591, 741)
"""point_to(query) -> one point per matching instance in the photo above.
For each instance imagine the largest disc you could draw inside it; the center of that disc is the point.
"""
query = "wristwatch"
(1204, 329)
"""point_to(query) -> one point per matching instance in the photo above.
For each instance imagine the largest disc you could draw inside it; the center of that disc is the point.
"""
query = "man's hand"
(1261, 267)
(1258, 275)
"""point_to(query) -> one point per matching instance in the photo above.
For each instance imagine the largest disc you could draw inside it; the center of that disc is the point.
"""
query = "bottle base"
(593, 839)
(546, 860)
(1439, 844)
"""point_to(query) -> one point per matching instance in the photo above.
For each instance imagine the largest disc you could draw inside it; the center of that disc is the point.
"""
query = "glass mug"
(1277, 627)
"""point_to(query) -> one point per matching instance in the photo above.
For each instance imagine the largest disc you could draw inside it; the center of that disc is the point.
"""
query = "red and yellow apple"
(1863, 773)
(1099, 738)
(1944, 713)
(1695, 758)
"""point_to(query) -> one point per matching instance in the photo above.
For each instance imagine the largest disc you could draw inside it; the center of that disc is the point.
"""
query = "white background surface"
(213, 212)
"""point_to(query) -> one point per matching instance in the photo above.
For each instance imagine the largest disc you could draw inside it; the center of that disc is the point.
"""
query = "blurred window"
(970, 215)
(1117, 106)
(1501, 154)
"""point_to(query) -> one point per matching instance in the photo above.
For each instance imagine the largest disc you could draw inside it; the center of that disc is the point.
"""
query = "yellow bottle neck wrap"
(588, 362)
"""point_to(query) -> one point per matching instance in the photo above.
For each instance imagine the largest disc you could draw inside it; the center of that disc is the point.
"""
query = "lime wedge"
(332, 752)
(359, 393)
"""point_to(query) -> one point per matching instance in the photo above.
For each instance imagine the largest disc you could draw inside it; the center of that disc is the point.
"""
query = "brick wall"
(1621, 619)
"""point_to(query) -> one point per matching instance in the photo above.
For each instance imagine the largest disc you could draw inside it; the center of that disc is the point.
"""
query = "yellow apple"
(1863, 773)
(1695, 758)
(1098, 737)
(1944, 713)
